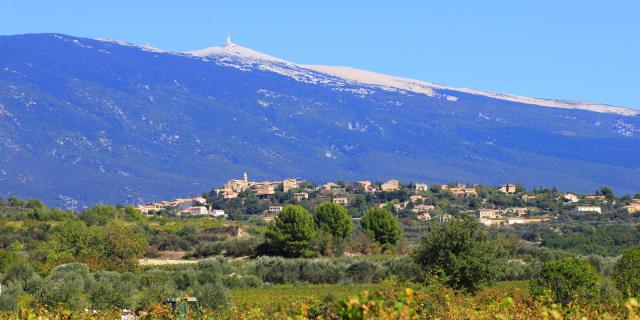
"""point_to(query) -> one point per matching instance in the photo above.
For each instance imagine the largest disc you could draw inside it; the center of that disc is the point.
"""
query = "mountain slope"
(103, 121)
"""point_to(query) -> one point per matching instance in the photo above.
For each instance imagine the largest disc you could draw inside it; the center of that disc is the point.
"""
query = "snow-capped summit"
(244, 58)
(230, 49)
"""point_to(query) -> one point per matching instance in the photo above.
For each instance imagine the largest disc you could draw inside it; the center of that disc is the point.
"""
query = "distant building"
(329, 186)
(416, 197)
(194, 211)
(421, 187)
(422, 208)
(274, 209)
(299, 196)
(463, 191)
(342, 201)
(365, 186)
(265, 191)
(424, 216)
(217, 213)
(634, 207)
(570, 197)
(487, 214)
(391, 185)
(443, 217)
(588, 209)
(595, 198)
(288, 184)
(508, 188)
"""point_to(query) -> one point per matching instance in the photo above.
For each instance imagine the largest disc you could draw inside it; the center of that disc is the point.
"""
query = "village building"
(595, 198)
(416, 197)
(425, 216)
(443, 217)
(217, 213)
(508, 188)
(264, 193)
(288, 184)
(527, 198)
(342, 201)
(274, 210)
(463, 191)
(299, 196)
(422, 208)
(391, 185)
(365, 186)
(194, 211)
(329, 186)
(588, 209)
(570, 197)
(421, 187)
(634, 207)
(487, 214)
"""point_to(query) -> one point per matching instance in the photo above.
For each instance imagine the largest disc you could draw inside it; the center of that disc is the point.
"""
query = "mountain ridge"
(97, 121)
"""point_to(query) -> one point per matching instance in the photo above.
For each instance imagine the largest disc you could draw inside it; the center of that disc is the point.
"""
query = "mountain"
(86, 121)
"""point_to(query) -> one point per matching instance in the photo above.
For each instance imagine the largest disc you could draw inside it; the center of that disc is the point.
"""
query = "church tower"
(245, 177)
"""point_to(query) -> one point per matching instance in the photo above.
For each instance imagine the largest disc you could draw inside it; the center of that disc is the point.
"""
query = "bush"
(568, 280)
(333, 218)
(461, 254)
(212, 295)
(112, 289)
(67, 285)
(291, 233)
(382, 225)
(626, 273)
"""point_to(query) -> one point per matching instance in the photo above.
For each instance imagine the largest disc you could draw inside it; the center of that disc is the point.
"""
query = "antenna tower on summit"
(228, 41)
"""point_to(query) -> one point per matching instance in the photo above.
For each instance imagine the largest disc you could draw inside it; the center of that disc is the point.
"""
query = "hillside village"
(503, 205)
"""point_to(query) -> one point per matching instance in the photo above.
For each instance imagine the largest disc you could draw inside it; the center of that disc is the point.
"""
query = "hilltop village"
(503, 205)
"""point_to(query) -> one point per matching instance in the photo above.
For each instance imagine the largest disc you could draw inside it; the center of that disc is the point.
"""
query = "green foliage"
(212, 295)
(567, 281)
(374, 306)
(333, 218)
(66, 284)
(461, 254)
(382, 225)
(122, 248)
(291, 233)
(626, 273)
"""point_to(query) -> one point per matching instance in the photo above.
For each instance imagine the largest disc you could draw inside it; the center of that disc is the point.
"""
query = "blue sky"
(579, 50)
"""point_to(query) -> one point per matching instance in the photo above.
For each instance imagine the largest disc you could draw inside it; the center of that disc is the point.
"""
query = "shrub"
(112, 289)
(333, 218)
(67, 285)
(291, 233)
(461, 254)
(626, 273)
(382, 225)
(568, 280)
(212, 295)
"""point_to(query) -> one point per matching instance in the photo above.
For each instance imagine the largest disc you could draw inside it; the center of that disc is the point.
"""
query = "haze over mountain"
(102, 121)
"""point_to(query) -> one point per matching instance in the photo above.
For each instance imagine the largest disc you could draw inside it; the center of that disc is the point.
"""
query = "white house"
(588, 209)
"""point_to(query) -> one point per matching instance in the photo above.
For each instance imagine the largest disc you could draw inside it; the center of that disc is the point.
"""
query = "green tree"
(626, 273)
(462, 255)
(607, 192)
(290, 234)
(333, 218)
(100, 215)
(568, 280)
(122, 248)
(382, 225)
